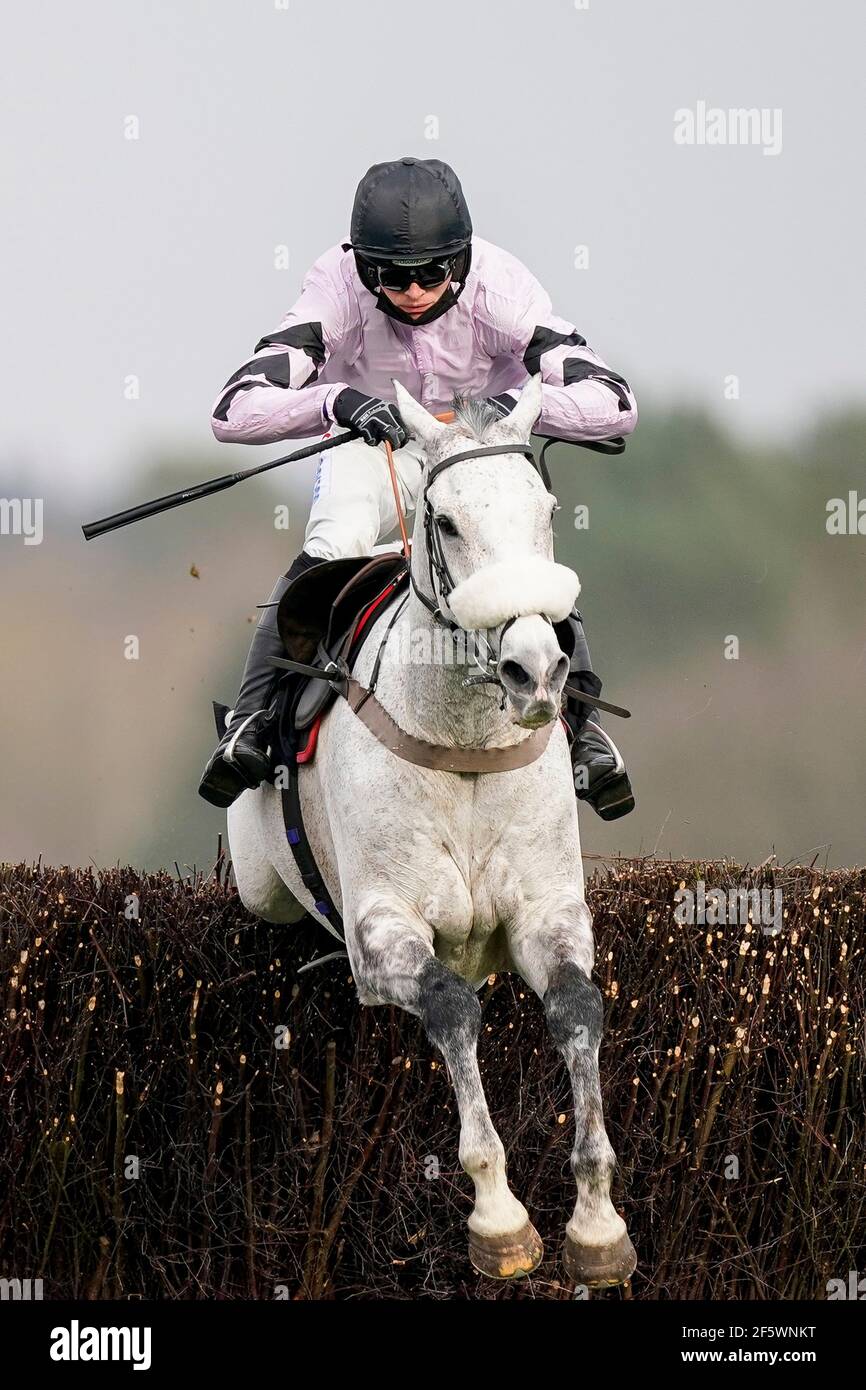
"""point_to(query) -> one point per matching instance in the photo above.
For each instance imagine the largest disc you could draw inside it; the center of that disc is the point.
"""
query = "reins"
(401, 517)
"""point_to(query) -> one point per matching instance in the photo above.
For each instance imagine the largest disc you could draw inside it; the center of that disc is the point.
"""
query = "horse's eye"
(446, 526)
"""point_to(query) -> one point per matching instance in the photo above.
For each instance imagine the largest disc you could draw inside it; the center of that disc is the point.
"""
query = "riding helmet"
(411, 210)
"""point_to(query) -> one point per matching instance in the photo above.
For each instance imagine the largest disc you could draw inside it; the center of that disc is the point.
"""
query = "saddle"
(325, 615)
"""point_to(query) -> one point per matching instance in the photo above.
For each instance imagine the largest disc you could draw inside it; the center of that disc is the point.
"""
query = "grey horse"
(443, 878)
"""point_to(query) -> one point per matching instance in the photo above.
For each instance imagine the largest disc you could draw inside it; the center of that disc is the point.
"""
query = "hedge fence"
(183, 1116)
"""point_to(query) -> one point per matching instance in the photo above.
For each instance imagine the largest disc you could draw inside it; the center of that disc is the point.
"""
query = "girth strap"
(296, 835)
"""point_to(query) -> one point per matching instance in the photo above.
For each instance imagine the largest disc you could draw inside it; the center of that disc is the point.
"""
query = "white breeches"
(353, 500)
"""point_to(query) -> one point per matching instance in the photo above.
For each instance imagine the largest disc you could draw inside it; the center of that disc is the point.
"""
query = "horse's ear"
(416, 417)
(527, 410)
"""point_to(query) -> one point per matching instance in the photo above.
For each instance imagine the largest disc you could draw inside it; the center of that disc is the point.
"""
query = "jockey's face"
(415, 300)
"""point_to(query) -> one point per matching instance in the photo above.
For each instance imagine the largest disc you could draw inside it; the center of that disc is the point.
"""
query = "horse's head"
(482, 547)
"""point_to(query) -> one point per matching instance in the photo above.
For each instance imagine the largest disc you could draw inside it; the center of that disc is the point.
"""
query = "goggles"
(426, 275)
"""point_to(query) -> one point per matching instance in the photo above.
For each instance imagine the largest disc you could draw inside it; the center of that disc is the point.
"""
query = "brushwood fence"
(184, 1116)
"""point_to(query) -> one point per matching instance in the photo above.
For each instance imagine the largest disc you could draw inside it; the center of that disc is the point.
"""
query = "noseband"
(438, 565)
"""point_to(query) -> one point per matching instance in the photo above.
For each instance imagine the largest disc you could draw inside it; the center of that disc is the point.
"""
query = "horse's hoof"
(506, 1257)
(599, 1266)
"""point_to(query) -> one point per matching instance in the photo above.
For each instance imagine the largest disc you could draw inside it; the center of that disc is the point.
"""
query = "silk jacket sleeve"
(274, 394)
(582, 398)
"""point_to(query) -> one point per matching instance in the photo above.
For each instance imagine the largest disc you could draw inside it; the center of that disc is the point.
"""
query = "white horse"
(443, 878)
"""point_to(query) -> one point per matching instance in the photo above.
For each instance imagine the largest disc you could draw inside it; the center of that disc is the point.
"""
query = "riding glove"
(374, 419)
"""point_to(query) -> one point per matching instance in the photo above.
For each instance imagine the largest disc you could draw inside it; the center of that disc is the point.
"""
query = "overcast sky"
(154, 257)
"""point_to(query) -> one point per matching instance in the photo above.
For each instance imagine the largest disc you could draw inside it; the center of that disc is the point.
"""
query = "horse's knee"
(573, 1006)
(449, 1007)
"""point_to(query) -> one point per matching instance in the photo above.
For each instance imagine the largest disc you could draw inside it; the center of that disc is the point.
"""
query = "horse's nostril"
(515, 673)
(559, 671)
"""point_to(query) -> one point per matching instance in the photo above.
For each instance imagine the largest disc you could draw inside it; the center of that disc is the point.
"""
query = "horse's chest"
(469, 855)
(468, 887)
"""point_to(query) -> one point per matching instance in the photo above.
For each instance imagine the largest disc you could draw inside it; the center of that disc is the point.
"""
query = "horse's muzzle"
(533, 671)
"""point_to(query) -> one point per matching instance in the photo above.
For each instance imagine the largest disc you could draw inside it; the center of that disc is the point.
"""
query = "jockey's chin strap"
(443, 582)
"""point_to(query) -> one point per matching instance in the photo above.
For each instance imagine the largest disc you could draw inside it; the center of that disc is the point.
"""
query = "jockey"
(416, 296)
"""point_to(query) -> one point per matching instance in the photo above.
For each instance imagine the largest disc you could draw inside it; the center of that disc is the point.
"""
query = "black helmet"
(411, 209)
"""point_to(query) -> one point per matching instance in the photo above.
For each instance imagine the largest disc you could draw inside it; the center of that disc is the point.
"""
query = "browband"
(477, 454)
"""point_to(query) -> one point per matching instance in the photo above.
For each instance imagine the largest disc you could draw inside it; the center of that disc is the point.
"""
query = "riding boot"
(600, 775)
(240, 759)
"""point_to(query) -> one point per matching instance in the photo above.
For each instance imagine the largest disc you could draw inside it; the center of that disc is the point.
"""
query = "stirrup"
(619, 761)
(225, 777)
(229, 750)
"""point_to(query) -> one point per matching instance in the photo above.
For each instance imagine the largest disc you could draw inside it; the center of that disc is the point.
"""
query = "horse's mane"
(474, 415)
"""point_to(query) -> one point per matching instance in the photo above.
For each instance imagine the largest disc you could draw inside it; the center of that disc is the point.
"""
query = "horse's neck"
(421, 685)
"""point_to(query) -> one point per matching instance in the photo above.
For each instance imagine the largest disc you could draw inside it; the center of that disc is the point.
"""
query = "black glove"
(504, 404)
(370, 417)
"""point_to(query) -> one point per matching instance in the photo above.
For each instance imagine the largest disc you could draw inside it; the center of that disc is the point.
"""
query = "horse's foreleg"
(555, 958)
(393, 963)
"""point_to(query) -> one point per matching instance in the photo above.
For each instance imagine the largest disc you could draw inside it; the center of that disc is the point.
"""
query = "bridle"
(443, 584)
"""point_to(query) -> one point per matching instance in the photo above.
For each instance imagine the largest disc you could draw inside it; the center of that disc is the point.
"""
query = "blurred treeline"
(695, 536)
